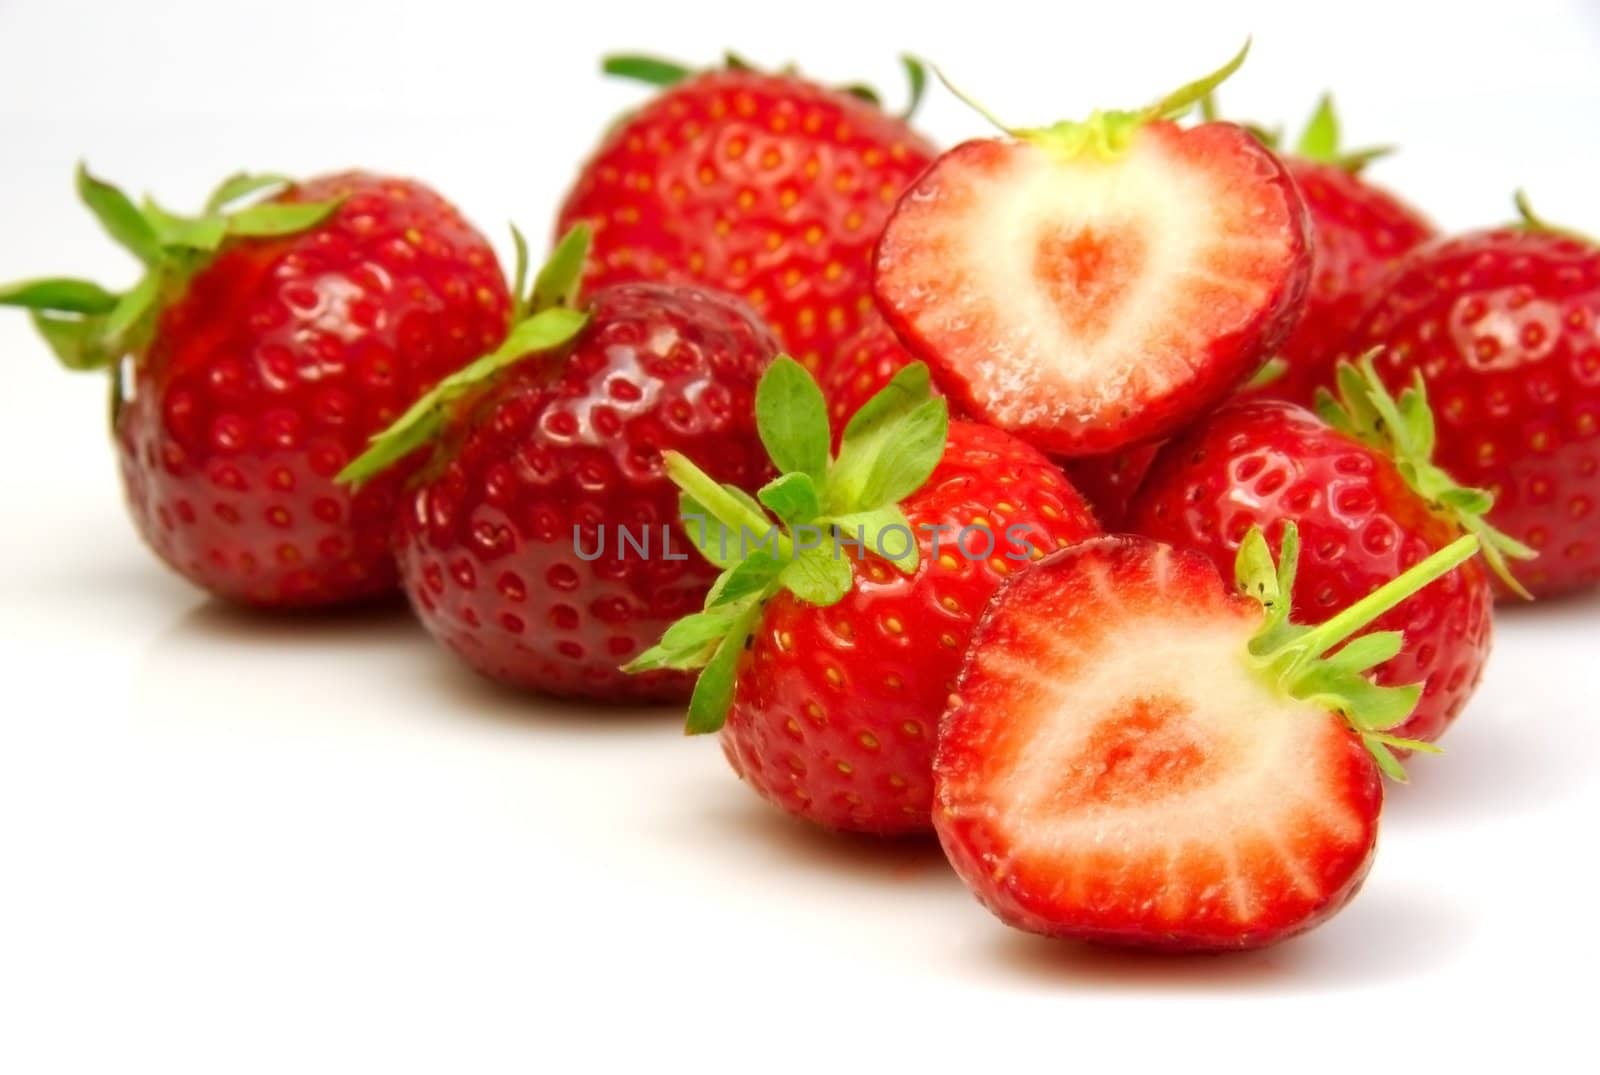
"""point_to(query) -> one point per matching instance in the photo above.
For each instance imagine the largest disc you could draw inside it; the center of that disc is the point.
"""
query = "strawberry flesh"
(1085, 304)
(1111, 768)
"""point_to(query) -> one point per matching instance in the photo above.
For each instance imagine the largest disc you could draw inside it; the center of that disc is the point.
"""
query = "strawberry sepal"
(1403, 429)
(662, 74)
(1296, 658)
(89, 327)
(792, 536)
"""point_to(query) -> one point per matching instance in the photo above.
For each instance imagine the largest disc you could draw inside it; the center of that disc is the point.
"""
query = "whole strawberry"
(833, 637)
(1137, 754)
(1368, 503)
(770, 186)
(1358, 232)
(1099, 283)
(256, 355)
(1502, 325)
(540, 542)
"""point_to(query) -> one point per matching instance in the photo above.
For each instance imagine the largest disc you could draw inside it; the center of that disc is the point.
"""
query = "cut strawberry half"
(1137, 755)
(1096, 283)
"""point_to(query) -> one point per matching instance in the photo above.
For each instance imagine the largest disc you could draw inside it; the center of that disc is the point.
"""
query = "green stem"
(1331, 632)
(726, 508)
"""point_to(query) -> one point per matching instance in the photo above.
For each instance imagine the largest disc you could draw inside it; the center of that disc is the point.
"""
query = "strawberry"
(1360, 485)
(1110, 482)
(1138, 756)
(535, 544)
(1502, 326)
(828, 650)
(770, 186)
(1094, 284)
(263, 345)
(1358, 233)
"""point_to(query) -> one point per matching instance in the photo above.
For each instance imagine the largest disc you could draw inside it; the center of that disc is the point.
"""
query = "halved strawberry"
(1137, 755)
(1096, 283)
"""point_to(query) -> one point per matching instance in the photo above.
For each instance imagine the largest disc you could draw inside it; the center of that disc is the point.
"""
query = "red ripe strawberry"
(1503, 327)
(1368, 503)
(1093, 285)
(1358, 233)
(766, 185)
(1135, 755)
(535, 545)
(1110, 482)
(831, 663)
(266, 345)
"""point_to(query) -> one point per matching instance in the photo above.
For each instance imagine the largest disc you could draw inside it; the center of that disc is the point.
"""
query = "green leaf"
(191, 233)
(647, 69)
(120, 217)
(750, 576)
(421, 422)
(61, 294)
(240, 186)
(73, 340)
(887, 527)
(280, 218)
(863, 92)
(1320, 140)
(1271, 370)
(1179, 101)
(131, 307)
(688, 643)
(519, 276)
(793, 497)
(713, 691)
(917, 80)
(908, 457)
(873, 431)
(819, 575)
(792, 419)
(557, 282)
(1368, 651)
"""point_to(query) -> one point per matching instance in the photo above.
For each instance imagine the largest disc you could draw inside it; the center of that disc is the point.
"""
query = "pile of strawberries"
(1119, 499)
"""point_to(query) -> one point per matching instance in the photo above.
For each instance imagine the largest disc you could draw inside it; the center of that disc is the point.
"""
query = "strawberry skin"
(556, 454)
(1110, 482)
(273, 368)
(1502, 325)
(1358, 233)
(835, 710)
(1264, 462)
(769, 186)
(1086, 304)
(1110, 770)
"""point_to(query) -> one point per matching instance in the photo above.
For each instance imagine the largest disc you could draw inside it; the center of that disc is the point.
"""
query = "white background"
(230, 843)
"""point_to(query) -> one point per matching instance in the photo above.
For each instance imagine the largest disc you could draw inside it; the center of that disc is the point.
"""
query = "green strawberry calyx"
(1108, 134)
(801, 529)
(1528, 220)
(1319, 142)
(90, 327)
(1403, 429)
(546, 317)
(654, 71)
(1295, 658)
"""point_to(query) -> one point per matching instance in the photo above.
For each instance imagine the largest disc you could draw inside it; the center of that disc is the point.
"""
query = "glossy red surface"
(1505, 328)
(510, 548)
(836, 709)
(769, 186)
(273, 369)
